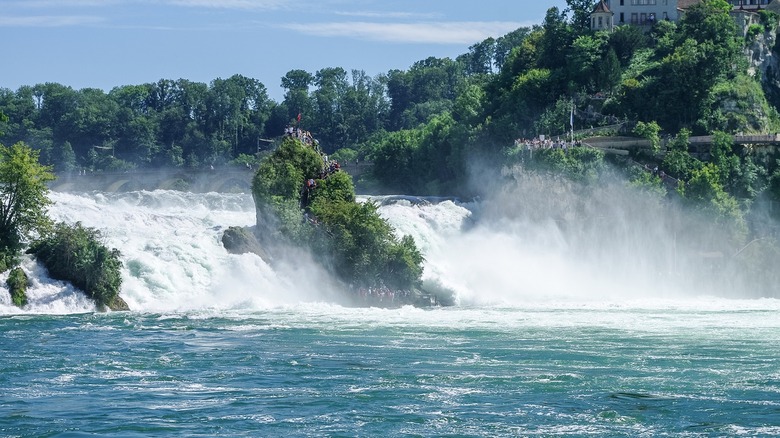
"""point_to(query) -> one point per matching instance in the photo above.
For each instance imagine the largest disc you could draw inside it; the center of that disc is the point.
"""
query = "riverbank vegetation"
(76, 254)
(71, 253)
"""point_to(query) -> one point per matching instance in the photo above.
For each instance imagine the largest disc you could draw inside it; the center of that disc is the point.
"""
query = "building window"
(622, 18)
(601, 22)
(634, 18)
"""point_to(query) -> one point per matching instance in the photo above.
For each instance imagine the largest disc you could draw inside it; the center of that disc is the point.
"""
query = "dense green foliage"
(3, 120)
(17, 284)
(345, 235)
(76, 254)
(578, 164)
(23, 199)
(439, 114)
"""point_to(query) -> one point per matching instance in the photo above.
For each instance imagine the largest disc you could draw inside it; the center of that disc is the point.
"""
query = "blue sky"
(106, 43)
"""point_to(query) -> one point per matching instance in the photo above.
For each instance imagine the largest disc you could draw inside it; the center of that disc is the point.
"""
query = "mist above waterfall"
(170, 244)
(537, 238)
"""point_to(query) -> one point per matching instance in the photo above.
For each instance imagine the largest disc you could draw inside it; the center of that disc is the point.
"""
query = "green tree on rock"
(23, 199)
(349, 237)
(76, 254)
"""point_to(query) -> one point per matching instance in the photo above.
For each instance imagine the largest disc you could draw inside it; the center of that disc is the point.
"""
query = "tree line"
(423, 126)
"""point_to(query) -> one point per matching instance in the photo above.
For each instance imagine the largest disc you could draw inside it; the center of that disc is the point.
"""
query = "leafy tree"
(469, 106)
(66, 161)
(296, 84)
(54, 104)
(505, 44)
(626, 41)
(3, 120)
(704, 191)
(646, 182)
(297, 161)
(557, 37)
(479, 60)
(327, 100)
(363, 247)
(609, 72)
(580, 14)
(76, 254)
(651, 131)
(394, 159)
(237, 109)
(579, 164)
(585, 60)
(769, 19)
(678, 162)
(345, 155)
(91, 122)
(721, 155)
(556, 119)
(428, 89)
(748, 181)
(23, 199)
(774, 184)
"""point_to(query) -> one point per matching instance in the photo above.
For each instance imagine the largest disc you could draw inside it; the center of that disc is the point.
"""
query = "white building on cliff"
(645, 13)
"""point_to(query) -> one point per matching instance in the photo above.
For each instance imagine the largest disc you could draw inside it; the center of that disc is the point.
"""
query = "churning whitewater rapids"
(555, 333)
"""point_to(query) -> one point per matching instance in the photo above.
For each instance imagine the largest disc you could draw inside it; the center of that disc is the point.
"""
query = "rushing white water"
(174, 260)
(172, 255)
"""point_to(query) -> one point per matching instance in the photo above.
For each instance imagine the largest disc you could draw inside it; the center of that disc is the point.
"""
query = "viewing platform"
(621, 145)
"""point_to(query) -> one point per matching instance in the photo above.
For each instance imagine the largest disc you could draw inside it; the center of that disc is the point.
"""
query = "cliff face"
(765, 62)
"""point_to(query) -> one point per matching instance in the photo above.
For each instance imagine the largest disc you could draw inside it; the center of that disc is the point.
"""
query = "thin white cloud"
(62, 3)
(48, 20)
(428, 33)
(380, 14)
(231, 4)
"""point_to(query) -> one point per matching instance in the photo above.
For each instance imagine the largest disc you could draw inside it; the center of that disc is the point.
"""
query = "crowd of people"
(300, 134)
(329, 167)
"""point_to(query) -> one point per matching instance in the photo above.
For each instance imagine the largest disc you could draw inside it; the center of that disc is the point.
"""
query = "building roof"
(601, 8)
(773, 5)
(685, 4)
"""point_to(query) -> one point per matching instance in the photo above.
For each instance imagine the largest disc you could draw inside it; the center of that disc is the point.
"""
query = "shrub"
(75, 253)
(578, 163)
(769, 19)
(753, 31)
(17, 284)
(8, 259)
